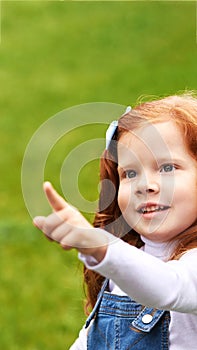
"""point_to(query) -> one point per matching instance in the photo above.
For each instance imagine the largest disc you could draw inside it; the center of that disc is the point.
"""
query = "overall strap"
(91, 316)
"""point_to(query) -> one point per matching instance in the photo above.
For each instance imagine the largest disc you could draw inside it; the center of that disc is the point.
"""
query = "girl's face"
(158, 181)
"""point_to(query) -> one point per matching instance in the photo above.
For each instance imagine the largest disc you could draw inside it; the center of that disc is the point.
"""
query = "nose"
(147, 184)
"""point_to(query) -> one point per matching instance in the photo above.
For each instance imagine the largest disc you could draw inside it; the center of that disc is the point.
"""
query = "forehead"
(161, 140)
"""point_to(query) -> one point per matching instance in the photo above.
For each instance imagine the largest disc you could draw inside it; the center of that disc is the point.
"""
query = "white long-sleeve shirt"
(145, 276)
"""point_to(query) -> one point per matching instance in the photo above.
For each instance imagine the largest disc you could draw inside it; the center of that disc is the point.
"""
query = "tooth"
(152, 208)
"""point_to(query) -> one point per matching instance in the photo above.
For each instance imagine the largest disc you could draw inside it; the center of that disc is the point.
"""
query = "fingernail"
(47, 183)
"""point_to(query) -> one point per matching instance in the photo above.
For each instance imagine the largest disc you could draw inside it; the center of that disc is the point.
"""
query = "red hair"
(182, 109)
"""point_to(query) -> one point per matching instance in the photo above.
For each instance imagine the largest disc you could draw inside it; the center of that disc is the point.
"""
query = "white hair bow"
(112, 128)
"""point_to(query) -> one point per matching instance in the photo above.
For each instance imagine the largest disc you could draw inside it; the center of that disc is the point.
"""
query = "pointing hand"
(67, 226)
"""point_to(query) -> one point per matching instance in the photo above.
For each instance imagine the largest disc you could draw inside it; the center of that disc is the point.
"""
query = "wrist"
(96, 244)
(97, 249)
(99, 253)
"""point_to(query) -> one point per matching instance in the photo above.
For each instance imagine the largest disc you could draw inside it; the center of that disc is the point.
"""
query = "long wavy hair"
(182, 109)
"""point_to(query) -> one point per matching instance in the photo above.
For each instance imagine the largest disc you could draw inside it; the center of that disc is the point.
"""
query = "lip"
(150, 209)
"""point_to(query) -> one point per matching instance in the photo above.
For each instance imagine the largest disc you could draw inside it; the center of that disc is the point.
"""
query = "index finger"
(54, 199)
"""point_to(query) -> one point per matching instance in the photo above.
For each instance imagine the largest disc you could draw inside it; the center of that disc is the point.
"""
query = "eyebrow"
(170, 160)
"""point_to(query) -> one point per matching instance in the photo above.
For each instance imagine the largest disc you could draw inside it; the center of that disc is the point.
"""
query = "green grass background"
(55, 55)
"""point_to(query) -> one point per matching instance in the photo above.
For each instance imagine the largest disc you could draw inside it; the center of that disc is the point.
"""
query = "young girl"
(141, 256)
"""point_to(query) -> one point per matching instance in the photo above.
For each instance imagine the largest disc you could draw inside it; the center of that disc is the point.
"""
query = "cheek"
(124, 197)
(185, 199)
(186, 191)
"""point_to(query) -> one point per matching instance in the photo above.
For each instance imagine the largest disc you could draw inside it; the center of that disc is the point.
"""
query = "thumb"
(54, 199)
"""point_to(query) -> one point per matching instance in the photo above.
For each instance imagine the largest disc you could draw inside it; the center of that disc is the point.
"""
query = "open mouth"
(152, 209)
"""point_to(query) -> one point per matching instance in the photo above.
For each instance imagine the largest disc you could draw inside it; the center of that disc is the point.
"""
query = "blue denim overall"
(122, 324)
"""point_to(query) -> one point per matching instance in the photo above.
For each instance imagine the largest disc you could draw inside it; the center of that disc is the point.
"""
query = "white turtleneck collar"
(160, 250)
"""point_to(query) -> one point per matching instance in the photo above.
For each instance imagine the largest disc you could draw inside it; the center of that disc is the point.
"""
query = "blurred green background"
(55, 55)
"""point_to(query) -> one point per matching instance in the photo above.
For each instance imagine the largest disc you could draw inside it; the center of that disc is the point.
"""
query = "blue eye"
(130, 174)
(167, 168)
